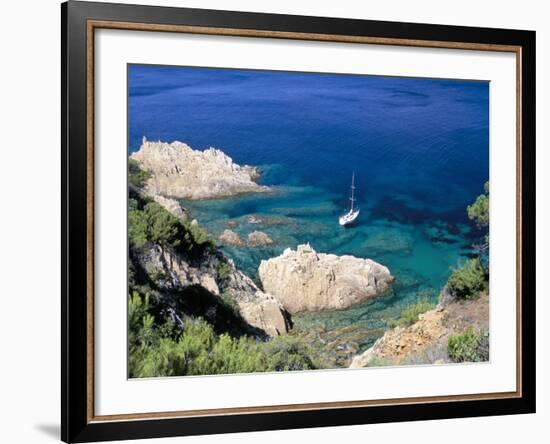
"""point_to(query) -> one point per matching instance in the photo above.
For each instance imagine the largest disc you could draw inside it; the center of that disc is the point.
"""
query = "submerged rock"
(259, 239)
(178, 171)
(269, 220)
(304, 280)
(229, 237)
(233, 223)
(253, 220)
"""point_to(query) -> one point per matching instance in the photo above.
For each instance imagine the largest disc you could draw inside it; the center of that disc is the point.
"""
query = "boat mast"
(352, 198)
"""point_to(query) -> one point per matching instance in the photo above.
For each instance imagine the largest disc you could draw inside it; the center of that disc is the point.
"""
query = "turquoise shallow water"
(419, 149)
(419, 255)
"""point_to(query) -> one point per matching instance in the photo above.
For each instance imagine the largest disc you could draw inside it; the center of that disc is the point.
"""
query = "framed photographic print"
(276, 221)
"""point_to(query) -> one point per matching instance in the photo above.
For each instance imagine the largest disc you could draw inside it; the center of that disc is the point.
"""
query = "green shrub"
(153, 224)
(137, 312)
(148, 222)
(196, 234)
(163, 227)
(410, 314)
(156, 273)
(479, 213)
(136, 176)
(198, 351)
(137, 227)
(224, 270)
(154, 349)
(469, 280)
(288, 353)
(479, 210)
(470, 346)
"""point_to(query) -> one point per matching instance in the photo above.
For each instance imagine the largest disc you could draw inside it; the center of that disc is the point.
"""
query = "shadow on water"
(395, 209)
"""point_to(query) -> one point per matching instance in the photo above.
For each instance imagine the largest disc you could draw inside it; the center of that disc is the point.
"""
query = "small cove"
(419, 149)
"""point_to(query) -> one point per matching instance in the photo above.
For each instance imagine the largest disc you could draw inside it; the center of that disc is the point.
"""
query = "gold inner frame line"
(92, 25)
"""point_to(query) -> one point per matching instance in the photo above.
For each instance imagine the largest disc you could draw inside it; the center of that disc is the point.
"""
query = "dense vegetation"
(136, 176)
(468, 281)
(194, 348)
(479, 210)
(472, 278)
(149, 223)
(470, 346)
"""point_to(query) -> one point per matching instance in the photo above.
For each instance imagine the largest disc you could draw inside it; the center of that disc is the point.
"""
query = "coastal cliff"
(217, 275)
(178, 171)
(304, 280)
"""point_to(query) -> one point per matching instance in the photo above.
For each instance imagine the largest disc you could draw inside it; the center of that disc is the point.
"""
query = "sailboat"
(353, 213)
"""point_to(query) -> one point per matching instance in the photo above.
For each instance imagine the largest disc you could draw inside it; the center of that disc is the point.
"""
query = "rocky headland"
(180, 172)
(304, 280)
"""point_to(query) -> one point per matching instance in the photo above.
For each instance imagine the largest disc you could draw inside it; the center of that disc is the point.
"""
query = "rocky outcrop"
(259, 239)
(259, 309)
(229, 237)
(304, 280)
(180, 172)
(254, 239)
(425, 341)
(219, 276)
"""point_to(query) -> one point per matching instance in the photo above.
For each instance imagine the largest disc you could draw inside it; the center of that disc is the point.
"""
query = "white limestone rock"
(304, 280)
(180, 172)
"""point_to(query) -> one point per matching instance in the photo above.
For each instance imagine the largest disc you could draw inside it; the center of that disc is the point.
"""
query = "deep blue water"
(419, 149)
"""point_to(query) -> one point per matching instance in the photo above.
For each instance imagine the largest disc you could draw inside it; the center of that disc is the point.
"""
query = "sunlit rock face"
(426, 340)
(304, 280)
(180, 172)
(175, 273)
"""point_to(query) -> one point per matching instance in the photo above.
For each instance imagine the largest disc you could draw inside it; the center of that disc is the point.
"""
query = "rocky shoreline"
(178, 171)
(298, 280)
(426, 340)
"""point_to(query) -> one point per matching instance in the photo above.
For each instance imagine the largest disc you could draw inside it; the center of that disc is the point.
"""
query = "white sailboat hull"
(349, 217)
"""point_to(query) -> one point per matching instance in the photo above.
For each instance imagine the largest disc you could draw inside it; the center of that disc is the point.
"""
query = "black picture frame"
(76, 423)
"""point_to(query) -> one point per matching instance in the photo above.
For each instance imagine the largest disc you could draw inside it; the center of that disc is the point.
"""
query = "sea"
(419, 149)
